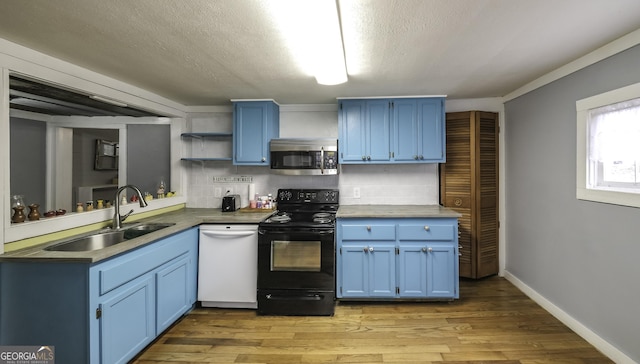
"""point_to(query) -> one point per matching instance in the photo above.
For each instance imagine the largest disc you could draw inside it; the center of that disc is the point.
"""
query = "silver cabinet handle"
(368, 228)
(368, 157)
(366, 249)
(429, 249)
(424, 249)
(264, 159)
(364, 157)
(371, 249)
(426, 228)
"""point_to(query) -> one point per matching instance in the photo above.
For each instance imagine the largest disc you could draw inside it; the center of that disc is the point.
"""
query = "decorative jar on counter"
(17, 205)
(34, 214)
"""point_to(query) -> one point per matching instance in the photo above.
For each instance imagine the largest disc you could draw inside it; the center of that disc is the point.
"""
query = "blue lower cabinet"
(441, 261)
(128, 321)
(99, 313)
(412, 277)
(367, 270)
(353, 268)
(397, 258)
(172, 293)
(382, 270)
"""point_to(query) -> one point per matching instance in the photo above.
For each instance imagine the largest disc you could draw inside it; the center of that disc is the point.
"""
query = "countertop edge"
(184, 219)
(190, 217)
(396, 211)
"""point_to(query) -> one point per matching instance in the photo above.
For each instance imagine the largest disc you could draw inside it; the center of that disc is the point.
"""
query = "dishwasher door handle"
(227, 234)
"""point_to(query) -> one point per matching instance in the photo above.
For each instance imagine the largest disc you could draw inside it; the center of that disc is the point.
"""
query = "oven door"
(296, 258)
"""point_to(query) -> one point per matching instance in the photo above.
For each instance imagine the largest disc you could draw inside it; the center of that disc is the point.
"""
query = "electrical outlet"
(356, 192)
(217, 192)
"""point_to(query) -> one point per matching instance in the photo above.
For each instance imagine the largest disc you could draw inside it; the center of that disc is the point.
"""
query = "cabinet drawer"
(368, 232)
(426, 231)
(122, 270)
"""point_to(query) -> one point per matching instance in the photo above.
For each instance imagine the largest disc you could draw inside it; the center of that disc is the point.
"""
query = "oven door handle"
(313, 297)
(294, 230)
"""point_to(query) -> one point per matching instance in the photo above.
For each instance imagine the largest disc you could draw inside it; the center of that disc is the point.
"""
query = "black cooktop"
(304, 208)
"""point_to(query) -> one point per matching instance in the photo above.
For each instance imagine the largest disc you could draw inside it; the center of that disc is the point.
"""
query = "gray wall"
(148, 159)
(28, 161)
(582, 256)
(84, 153)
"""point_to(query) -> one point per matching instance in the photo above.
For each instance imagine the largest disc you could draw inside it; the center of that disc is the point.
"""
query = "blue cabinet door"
(419, 133)
(353, 265)
(128, 321)
(352, 131)
(412, 275)
(405, 127)
(382, 270)
(365, 127)
(172, 293)
(442, 271)
(378, 129)
(367, 270)
(431, 129)
(255, 123)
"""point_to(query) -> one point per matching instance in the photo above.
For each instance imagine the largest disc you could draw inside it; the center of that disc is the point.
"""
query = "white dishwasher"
(228, 266)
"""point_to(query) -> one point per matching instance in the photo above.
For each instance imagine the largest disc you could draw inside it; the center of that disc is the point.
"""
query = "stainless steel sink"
(105, 239)
(142, 229)
(91, 242)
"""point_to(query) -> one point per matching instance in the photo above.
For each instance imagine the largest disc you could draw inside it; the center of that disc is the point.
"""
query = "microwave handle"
(321, 160)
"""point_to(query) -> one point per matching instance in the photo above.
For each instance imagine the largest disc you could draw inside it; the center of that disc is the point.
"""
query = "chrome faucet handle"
(126, 215)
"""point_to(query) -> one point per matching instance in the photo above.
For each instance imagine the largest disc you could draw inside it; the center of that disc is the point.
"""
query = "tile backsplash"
(404, 184)
(415, 184)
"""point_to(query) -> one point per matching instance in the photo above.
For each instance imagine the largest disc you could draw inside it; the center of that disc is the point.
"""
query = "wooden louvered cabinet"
(469, 185)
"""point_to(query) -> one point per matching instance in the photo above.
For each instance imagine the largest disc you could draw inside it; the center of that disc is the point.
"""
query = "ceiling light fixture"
(331, 67)
(312, 31)
(108, 101)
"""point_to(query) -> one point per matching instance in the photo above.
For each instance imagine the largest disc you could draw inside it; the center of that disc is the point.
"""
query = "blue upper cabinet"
(255, 123)
(399, 130)
(431, 130)
(351, 131)
(378, 128)
(405, 127)
(364, 131)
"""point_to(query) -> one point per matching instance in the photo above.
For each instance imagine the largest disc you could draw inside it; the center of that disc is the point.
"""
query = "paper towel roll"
(252, 191)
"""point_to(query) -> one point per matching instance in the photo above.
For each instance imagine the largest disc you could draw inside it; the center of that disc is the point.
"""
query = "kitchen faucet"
(117, 218)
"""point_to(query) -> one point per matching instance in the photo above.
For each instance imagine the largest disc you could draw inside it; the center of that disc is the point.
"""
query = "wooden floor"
(492, 323)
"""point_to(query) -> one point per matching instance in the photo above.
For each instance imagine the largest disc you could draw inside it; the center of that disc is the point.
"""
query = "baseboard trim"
(599, 343)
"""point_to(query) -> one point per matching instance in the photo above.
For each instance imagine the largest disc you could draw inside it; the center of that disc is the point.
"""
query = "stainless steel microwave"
(304, 156)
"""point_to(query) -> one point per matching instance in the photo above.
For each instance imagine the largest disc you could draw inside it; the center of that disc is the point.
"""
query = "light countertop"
(190, 217)
(183, 219)
(395, 211)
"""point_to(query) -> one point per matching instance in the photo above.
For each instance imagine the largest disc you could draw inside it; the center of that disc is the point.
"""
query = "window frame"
(582, 144)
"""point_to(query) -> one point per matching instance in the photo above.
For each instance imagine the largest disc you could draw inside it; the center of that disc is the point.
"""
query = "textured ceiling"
(205, 52)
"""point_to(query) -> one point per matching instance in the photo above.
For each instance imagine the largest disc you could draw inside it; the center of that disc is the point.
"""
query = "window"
(608, 155)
